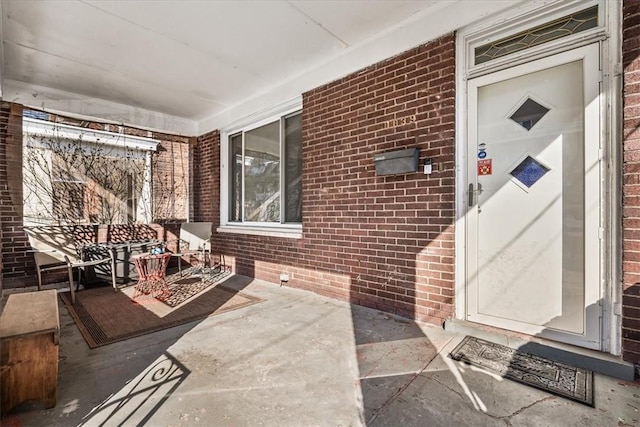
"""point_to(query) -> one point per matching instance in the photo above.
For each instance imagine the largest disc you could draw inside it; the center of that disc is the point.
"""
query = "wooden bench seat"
(29, 336)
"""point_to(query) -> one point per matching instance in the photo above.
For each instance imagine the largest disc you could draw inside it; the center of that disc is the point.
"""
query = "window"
(265, 173)
(529, 114)
(78, 176)
(563, 27)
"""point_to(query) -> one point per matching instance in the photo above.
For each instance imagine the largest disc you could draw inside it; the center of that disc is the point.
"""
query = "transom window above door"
(539, 30)
(265, 173)
(566, 26)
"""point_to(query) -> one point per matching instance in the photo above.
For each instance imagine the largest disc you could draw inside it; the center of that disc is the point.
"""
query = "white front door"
(533, 247)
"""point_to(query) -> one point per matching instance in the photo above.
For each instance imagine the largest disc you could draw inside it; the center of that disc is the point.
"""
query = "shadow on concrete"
(391, 352)
(123, 383)
(139, 400)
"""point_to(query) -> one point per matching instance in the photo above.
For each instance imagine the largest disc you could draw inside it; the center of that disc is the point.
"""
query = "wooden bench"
(29, 336)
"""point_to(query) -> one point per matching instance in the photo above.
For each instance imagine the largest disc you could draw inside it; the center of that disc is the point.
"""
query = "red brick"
(361, 236)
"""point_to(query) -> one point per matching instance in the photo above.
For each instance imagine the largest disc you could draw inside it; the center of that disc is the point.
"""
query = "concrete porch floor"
(298, 359)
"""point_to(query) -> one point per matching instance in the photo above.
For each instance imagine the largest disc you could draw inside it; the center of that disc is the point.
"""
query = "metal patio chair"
(52, 259)
(195, 242)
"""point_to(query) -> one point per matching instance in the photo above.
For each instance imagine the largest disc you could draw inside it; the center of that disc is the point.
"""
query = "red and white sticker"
(484, 167)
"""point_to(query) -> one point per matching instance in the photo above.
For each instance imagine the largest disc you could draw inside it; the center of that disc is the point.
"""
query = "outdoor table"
(151, 275)
(122, 254)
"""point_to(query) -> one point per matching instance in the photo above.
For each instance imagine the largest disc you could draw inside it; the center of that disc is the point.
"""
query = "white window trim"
(291, 232)
(243, 125)
(42, 128)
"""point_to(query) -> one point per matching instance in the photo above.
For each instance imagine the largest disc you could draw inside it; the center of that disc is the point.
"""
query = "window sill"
(288, 232)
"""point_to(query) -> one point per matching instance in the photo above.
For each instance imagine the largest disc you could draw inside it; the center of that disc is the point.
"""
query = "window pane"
(563, 27)
(529, 113)
(110, 188)
(293, 168)
(262, 174)
(235, 190)
(68, 201)
(132, 196)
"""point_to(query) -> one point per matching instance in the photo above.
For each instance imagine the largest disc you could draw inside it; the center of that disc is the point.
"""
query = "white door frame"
(608, 35)
(589, 56)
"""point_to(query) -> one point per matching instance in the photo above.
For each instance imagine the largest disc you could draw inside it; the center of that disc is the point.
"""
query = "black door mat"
(553, 377)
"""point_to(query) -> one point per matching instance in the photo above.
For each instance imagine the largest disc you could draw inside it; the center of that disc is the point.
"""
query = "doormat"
(553, 377)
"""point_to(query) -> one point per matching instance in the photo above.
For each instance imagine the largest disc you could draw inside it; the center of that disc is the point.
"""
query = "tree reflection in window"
(265, 168)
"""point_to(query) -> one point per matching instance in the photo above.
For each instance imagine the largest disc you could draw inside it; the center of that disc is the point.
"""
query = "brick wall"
(14, 242)
(206, 178)
(631, 187)
(383, 242)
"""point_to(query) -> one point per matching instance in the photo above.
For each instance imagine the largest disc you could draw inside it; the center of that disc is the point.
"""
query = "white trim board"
(42, 128)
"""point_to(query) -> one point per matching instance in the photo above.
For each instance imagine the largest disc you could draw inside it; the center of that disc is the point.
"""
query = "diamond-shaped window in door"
(529, 113)
(529, 171)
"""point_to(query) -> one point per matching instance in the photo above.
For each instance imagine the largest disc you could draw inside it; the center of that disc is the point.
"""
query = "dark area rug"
(553, 377)
(104, 316)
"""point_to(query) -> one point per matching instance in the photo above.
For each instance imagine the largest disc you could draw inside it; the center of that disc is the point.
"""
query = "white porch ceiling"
(191, 66)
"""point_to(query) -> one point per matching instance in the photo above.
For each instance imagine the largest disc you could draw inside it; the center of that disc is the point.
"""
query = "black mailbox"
(397, 162)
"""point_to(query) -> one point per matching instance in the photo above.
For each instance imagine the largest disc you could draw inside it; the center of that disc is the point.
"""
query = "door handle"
(472, 192)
